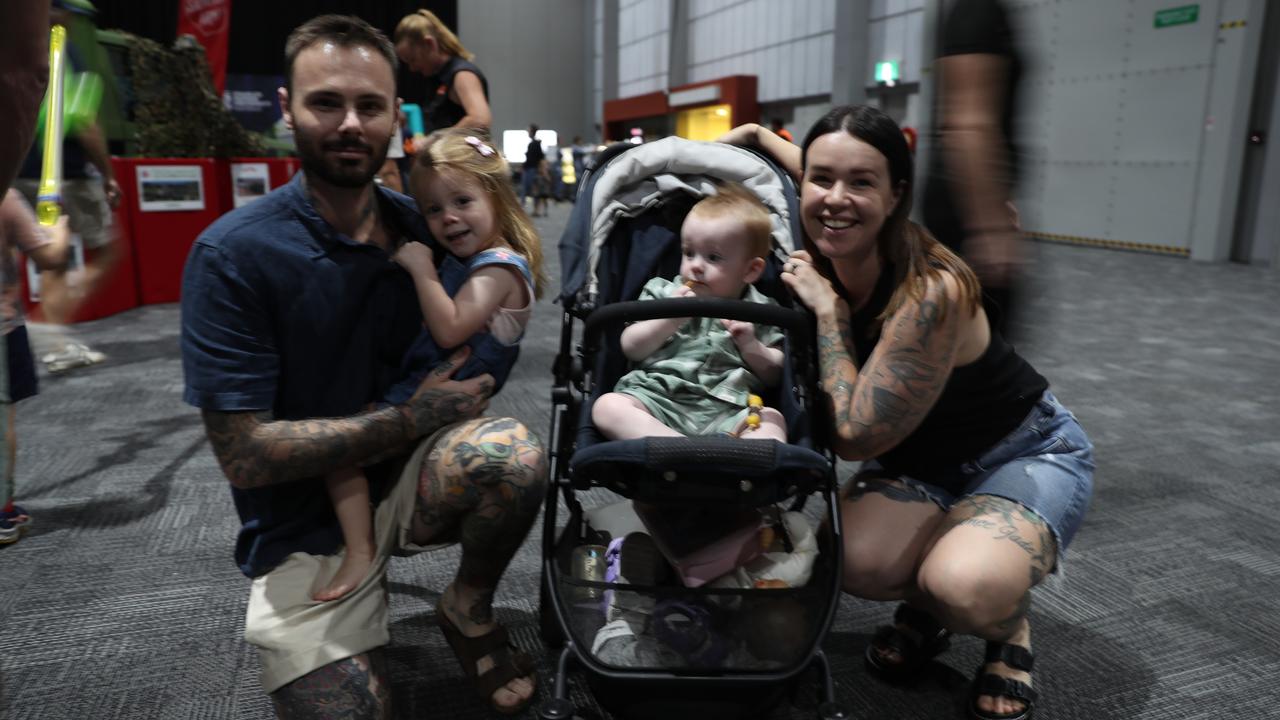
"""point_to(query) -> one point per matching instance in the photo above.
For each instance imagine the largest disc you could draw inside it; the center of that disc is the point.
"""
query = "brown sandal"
(509, 662)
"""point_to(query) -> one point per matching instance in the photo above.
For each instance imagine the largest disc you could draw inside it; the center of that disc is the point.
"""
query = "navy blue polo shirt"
(281, 312)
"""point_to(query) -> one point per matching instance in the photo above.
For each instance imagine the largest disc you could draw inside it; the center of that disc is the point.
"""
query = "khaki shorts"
(295, 634)
(85, 202)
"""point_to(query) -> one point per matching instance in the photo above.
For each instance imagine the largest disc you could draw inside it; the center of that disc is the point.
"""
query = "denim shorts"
(1045, 465)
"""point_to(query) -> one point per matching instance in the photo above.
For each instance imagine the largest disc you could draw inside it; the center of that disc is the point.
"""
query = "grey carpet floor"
(124, 602)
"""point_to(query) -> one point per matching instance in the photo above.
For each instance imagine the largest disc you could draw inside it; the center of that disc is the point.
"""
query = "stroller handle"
(797, 324)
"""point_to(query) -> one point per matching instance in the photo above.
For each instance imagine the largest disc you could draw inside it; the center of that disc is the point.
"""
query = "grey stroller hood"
(641, 177)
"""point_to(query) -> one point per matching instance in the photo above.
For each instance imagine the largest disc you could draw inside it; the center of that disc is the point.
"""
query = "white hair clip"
(479, 145)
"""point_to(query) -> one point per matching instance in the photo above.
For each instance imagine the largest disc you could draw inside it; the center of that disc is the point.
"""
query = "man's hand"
(441, 400)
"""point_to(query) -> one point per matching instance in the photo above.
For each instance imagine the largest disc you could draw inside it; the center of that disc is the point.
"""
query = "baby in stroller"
(703, 376)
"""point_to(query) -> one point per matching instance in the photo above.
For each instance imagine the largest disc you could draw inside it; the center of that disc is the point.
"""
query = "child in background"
(481, 296)
(47, 248)
(697, 375)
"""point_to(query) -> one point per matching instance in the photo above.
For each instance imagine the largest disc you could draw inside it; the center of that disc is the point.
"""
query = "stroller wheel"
(555, 709)
(832, 711)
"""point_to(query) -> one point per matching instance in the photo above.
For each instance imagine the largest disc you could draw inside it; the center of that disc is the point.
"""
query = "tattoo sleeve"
(875, 407)
(255, 450)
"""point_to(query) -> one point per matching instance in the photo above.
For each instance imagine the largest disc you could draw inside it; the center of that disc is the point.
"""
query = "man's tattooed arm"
(875, 407)
(255, 450)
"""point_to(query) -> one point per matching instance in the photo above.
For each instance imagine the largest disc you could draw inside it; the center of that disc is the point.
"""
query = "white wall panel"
(822, 84)
(796, 65)
(1114, 119)
(1152, 205)
(814, 64)
(915, 50)
(1077, 200)
(1085, 121)
(1156, 123)
(1091, 38)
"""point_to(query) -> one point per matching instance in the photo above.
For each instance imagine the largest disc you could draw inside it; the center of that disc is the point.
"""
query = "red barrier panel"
(170, 202)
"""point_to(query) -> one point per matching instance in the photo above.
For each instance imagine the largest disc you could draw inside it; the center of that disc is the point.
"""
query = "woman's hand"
(807, 284)
(415, 257)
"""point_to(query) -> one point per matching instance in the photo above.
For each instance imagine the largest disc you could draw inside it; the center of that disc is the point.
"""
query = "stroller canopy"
(642, 177)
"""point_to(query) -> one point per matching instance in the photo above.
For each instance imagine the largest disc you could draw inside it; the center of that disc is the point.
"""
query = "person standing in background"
(427, 46)
(533, 157)
(90, 194)
(461, 97)
(968, 193)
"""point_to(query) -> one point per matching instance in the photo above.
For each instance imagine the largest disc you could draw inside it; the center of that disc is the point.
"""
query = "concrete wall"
(532, 52)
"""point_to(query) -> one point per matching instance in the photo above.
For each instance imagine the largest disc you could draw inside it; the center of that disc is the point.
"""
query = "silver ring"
(789, 267)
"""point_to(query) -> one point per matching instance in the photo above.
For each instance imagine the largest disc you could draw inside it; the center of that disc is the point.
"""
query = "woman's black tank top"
(981, 403)
(441, 111)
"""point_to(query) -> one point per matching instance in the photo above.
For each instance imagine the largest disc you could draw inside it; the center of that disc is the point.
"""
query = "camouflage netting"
(177, 112)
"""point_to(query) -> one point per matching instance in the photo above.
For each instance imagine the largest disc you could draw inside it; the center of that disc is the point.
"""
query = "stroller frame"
(575, 370)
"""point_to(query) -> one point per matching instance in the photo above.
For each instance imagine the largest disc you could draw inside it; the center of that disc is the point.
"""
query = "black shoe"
(923, 639)
(1016, 657)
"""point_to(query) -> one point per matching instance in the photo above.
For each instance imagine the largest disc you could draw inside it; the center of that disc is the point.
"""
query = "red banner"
(209, 21)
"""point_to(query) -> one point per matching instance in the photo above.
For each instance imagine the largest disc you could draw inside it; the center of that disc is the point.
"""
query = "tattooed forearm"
(900, 382)
(254, 450)
(839, 371)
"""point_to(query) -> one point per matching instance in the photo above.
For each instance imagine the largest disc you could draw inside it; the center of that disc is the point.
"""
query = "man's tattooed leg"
(482, 484)
(355, 687)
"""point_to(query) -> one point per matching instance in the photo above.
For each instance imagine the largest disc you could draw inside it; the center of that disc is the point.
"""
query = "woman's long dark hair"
(914, 254)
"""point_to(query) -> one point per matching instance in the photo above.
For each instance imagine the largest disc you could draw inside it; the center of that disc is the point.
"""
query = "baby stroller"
(711, 650)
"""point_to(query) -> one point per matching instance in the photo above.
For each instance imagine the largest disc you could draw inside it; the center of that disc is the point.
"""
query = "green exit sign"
(1177, 16)
(887, 72)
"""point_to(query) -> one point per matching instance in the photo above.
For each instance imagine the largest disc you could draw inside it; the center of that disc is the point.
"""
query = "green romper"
(697, 383)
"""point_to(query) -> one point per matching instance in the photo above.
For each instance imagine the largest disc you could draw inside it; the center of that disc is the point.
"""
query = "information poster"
(249, 181)
(164, 188)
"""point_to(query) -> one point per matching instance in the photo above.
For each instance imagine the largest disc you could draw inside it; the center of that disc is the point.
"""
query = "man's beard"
(334, 171)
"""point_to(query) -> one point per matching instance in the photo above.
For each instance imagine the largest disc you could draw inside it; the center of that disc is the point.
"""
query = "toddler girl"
(482, 296)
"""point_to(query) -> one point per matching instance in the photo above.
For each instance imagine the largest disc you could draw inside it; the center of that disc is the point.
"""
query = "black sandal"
(1016, 657)
(915, 652)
